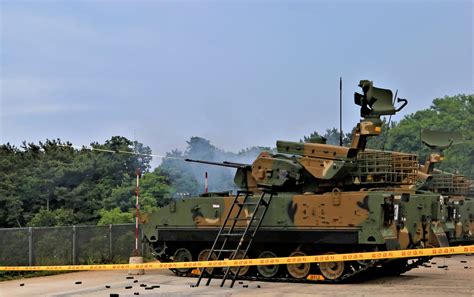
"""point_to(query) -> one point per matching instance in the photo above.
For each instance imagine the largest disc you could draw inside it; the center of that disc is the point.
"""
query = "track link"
(344, 278)
(418, 262)
(356, 273)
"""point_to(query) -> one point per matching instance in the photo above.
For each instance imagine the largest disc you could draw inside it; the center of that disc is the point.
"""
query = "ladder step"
(224, 251)
(256, 219)
(247, 203)
(232, 234)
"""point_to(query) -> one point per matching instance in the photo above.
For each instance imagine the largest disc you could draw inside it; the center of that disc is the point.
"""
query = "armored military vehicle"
(308, 198)
(454, 188)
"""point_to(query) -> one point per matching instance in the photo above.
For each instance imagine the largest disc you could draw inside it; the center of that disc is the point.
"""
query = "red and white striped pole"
(205, 183)
(137, 207)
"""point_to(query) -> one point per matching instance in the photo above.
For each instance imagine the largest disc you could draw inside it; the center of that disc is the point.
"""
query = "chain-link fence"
(67, 245)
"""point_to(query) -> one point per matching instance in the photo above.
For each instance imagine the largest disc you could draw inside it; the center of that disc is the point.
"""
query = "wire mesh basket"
(448, 183)
(376, 167)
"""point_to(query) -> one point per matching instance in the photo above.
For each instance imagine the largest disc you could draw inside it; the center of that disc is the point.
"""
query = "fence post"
(110, 241)
(74, 245)
(30, 246)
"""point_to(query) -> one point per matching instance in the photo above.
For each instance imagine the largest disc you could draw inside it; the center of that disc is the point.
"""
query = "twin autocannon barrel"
(223, 164)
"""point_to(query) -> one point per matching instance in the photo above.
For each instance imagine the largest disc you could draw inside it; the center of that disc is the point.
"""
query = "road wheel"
(301, 270)
(332, 270)
(182, 255)
(243, 269)
(203, 255)
(267, 270)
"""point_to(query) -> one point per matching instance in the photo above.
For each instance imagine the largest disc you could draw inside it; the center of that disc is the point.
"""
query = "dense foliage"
(448, 114)
(54, 184)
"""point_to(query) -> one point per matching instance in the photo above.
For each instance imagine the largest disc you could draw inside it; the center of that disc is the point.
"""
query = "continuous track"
(356, 274)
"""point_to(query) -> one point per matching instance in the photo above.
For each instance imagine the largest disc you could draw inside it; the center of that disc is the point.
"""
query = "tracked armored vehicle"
(455, 189)
(308, 198)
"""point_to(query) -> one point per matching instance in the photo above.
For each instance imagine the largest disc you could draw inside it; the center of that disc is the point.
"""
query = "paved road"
(455, 281)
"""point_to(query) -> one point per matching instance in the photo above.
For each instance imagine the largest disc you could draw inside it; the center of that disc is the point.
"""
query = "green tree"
(455, 113)
(178, 172)
(38, 180)
(114, 216)
(57, 217)
(331, 136)
(155, 190)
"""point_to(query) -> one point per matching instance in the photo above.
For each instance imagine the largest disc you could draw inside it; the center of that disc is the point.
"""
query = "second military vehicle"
(454, 188)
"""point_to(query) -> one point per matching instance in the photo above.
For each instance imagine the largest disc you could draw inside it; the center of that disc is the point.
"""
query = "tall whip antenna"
(340, 111)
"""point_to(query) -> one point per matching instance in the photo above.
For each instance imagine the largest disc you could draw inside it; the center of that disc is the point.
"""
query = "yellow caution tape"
(414, 253)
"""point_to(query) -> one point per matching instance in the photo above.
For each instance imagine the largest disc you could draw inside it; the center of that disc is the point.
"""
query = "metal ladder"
(222, 243)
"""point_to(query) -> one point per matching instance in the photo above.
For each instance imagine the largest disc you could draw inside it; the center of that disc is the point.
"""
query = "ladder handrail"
(259, 222)
(223, 226)
(245, 239)
(236, 201)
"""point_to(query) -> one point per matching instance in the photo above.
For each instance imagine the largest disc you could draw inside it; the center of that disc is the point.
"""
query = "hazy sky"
(240, 73)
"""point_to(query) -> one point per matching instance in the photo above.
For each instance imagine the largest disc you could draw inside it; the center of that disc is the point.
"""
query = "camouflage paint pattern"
(361, 212)
(327, 195)
(458, 212)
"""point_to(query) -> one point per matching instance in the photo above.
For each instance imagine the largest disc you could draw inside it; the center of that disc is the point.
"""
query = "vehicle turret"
(319, 167)
(436, 180)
